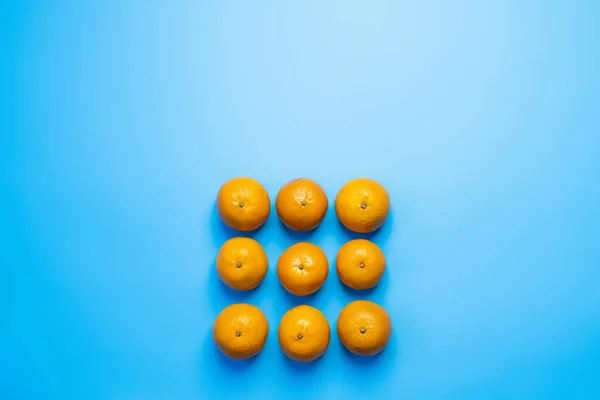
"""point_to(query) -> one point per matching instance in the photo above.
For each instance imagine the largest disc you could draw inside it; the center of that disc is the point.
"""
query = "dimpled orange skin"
(301, 204)
(302, 268)
(240, 331)
(304, 333)
(242, 263)
(362, 205)
(364, 327)
(360, 264)
(243, 204)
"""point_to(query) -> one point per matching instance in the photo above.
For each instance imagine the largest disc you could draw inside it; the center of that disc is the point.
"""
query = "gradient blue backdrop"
(121, 119)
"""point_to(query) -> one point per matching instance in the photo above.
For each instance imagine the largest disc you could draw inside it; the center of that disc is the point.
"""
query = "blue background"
(121, 119)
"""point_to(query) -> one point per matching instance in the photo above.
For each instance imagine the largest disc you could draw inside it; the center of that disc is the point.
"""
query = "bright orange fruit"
(362, 205)
(304, 333)
(240, 331)
(301, 204)
(242, 263)
(243, 204)
(302, 268)
(360, 264)
(364, 327)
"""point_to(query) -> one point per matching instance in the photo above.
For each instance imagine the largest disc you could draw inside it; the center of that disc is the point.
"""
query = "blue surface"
(121, 119)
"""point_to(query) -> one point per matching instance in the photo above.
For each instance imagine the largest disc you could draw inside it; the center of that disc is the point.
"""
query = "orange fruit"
(240, 331)
(304, 333)
(302, 268)
(364, 327)
(360, 264)
(243, 204)
(301, 204)
(242, 263)
(362, 205)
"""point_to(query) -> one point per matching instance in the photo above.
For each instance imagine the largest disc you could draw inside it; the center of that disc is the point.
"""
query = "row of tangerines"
(362, 205)
(364, 328)
(303, 268)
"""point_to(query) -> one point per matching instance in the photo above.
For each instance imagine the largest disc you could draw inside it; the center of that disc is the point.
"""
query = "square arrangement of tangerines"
(364, 328)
